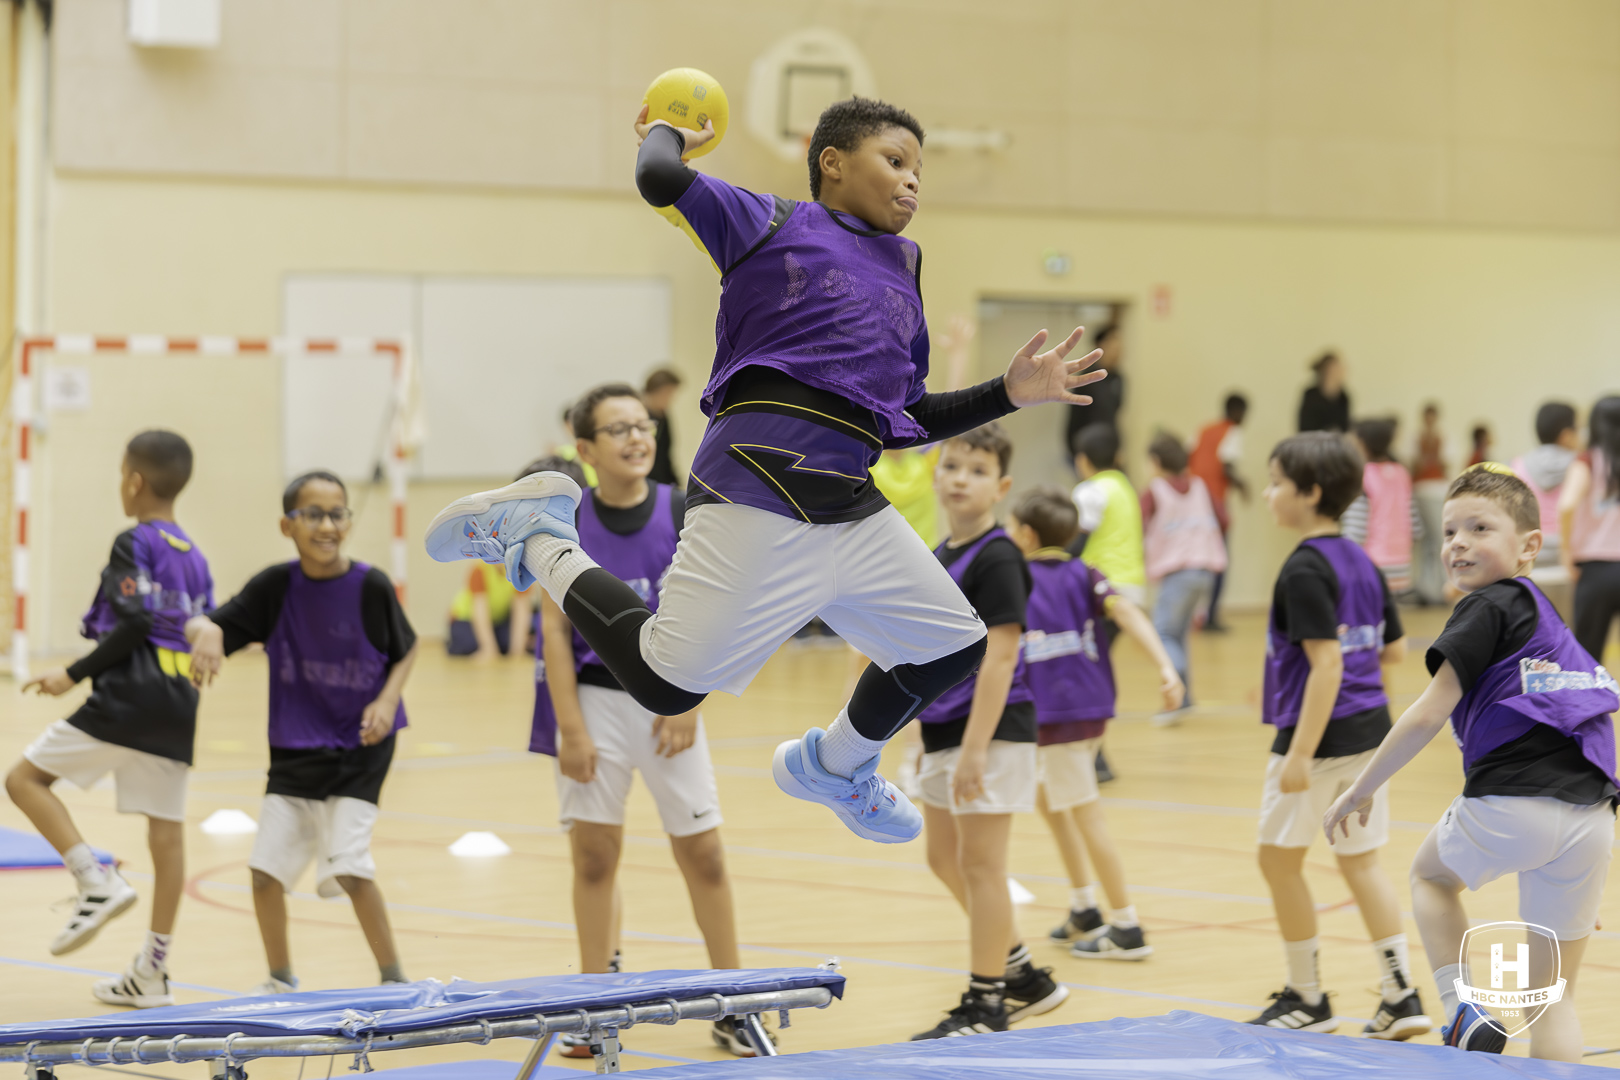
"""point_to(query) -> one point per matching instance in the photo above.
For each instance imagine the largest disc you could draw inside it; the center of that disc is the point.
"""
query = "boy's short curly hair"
(1494, 481)
(163, 459)
(844, 124)
(1325, 460)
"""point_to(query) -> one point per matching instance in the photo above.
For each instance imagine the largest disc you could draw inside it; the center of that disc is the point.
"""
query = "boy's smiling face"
(319, 523)
(624, 445)
(1482, 544)
(877, 181)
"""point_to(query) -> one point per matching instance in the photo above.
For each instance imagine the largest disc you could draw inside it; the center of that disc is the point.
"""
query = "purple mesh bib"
(1065, 652)
(957, 702)
(171, 577)
(1361, 638)
(832, 304)
(1552, 681)
(324, 671)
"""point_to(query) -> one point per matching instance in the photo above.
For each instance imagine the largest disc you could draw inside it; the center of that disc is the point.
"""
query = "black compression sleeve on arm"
(955, 411)
(118, 643)
(661, 175)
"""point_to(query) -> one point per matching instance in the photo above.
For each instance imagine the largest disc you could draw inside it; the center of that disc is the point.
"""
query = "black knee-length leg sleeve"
(885, 701)
(608, 615)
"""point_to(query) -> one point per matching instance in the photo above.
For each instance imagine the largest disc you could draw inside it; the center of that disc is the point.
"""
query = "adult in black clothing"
(1326, 405)
(658, 394)
(1105, 403)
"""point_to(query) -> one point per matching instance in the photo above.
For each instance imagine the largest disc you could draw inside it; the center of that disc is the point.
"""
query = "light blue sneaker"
(1474, 1029)
(492, 525)
(873, 808)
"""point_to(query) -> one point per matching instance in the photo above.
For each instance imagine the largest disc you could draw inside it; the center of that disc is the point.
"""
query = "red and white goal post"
(30, 352)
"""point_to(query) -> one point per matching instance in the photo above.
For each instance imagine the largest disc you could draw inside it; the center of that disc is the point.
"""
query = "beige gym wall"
(1431, 186)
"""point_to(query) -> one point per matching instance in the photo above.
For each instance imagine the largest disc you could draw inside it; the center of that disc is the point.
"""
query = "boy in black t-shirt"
(1333, 625)
(979, 766)
(1531, 711)
(340, 650)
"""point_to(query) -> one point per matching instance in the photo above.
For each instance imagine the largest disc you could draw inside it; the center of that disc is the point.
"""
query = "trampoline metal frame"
(227, 1054)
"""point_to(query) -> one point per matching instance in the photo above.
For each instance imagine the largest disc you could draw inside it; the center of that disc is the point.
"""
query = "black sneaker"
(1105, 775)
(1400, 1021)
(978, 1014)
(1288, 1010)
(1115, 943)
(1079, 924)
(732, 1036)
(1032, 993)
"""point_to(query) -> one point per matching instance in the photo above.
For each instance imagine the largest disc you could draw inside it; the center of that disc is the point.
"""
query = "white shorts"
(1294, 821)
(744, 580)
(1559, 850)
(334, 833)
(147, 784)
(1068, 773)
(1009, 780)
(682, 787)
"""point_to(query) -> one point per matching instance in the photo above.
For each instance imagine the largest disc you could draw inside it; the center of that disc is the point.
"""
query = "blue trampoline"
(429, 1013)
(1178, 1046)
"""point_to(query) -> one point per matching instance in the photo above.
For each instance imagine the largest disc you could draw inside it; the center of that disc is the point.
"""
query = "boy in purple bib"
(1070, 677)
(598, 734)
(978, 763)
(140, 720)
(1531, 711)
(821, 362)
(1332, 625)
(339, 650)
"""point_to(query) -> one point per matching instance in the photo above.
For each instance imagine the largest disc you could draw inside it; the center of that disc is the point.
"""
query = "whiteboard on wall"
(498, 357)
(503, 356)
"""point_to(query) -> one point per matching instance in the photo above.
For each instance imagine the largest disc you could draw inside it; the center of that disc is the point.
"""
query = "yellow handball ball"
(688, 98)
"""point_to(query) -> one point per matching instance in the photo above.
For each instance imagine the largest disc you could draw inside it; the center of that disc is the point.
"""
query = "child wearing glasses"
(340, 650)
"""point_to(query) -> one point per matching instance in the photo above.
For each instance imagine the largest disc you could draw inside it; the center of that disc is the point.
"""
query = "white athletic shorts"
(147, 784)
(1559, 850)
(1068, 773)
(1295, 821)
(1009, 780)
(682, 787)
(744, 580)
(334, 833)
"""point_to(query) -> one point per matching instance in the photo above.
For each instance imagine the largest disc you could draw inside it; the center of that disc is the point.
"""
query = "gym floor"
(1183, 812)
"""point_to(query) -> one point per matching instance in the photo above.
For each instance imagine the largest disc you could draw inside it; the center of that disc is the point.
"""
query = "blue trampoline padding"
(30, 851)
(481, 1069)
(1180, 1045)
(386, 1010)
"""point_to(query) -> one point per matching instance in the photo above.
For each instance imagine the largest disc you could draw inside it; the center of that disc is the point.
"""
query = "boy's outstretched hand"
(1338, 815)
(1036, 378)
(207, 649)
(694, 139)
(54, 683)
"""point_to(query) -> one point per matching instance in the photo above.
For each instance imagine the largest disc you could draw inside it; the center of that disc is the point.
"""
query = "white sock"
(1124, 917)
(844, 749)
(1016, 959)
(1083, 899)
(1445, 979)
(1302, 971)
(556, 563)
(1394, 967)
(154, 956)
(82, 862)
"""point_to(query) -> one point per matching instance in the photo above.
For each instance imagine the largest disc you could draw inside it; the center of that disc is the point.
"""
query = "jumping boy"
(602, 737)
(1530, 709)
(1333, 624)
(978, 766)
(1071, 680)
(340, 650)
(821, 361)
(140, 720)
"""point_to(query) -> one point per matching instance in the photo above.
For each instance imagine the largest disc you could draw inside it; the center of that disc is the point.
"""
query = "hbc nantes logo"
(1522, 963)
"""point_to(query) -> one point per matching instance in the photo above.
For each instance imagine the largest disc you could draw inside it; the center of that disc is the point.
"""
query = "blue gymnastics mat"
(1179, 1045)
(29, 851)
